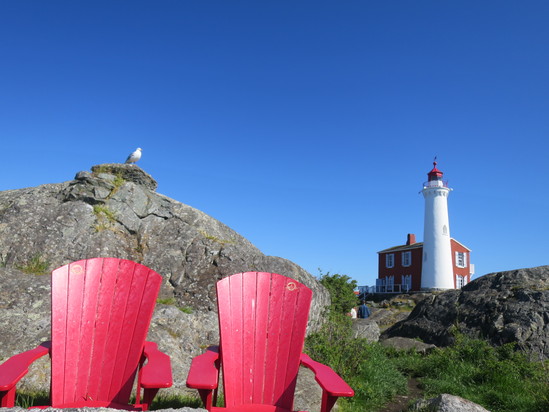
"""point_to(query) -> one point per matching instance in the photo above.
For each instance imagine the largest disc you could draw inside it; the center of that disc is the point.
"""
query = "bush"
(342, 292)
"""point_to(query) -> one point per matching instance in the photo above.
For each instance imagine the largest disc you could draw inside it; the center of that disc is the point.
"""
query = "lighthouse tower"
(436, 272)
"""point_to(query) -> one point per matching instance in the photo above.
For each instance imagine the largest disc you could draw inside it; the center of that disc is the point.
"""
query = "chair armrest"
(204, 370)
(328, 380)
(157, 373)
(12, 370)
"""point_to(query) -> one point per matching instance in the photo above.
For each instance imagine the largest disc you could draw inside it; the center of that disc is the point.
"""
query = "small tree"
(341, 288)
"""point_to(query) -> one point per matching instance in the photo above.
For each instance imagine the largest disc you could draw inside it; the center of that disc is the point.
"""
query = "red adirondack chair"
(262, 324)
(101, 310)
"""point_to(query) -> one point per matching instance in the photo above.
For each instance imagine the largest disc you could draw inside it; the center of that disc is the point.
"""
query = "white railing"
(436, 183)
(385, 289)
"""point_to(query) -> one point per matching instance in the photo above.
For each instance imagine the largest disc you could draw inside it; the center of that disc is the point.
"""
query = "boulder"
(446, 403)
(503, 307)
(407, 344)
(386, 317)
(114, 211)
(367, 329)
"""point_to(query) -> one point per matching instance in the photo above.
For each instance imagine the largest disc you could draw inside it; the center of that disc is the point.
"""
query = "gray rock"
(128, 172)
(308, 393)
(115, 211)
(446, 403)
(367, 329)
(503, 307)
(408, 344)
(386, 317)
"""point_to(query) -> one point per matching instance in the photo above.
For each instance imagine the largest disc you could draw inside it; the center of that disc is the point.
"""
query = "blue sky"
(306, 126)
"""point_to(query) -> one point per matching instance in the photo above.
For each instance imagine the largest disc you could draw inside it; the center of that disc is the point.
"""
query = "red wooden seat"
(101, 310)
(262, 325)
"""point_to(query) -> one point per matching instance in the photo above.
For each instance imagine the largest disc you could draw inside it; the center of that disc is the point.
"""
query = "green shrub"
(341, 288)
(364, 366)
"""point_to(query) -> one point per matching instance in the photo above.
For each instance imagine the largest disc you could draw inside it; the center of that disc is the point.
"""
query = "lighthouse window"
(390, 260)
(406, 258)
(461, 259)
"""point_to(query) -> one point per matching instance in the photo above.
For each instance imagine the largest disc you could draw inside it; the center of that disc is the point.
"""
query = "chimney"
(411, 239)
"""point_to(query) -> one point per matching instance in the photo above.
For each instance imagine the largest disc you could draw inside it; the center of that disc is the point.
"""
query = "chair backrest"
(262, 324)
(101, 310)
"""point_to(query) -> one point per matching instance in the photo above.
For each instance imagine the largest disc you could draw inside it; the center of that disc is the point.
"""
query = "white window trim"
(390, 260)
(407, 261)
(460, 264)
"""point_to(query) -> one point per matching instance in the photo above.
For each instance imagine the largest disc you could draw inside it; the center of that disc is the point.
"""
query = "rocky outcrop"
(501, 307)
(446, 403)
(115, 211)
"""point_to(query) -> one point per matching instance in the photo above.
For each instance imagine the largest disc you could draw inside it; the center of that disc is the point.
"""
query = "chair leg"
(7, 398)
(328, 402)
(148, 396)
(206, 396)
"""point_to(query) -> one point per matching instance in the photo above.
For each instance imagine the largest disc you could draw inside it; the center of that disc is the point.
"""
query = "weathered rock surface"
(446, 403)
(501, 307)
(407, 344)
(367, 329)
(114, 211)
(388, 316)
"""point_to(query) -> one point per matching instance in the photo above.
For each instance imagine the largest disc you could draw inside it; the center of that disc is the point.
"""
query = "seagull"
(135, 156)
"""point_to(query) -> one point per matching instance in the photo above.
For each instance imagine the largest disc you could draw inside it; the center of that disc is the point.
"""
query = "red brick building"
(399, 267)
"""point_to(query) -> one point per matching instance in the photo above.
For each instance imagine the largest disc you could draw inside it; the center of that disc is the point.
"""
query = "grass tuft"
(36, 265)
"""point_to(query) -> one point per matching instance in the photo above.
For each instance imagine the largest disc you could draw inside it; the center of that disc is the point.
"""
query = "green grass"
(216, 239)
(364, 366)
(166, 301)
(29, 399)
(176, 402)
(36, 265)
(172, 301)
(500, 379)
(105, 217)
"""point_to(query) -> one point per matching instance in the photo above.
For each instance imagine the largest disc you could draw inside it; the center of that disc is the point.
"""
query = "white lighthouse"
(436, 272)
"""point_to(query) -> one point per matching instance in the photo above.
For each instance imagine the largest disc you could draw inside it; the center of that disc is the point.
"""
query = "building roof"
(402, 247)
(414, 246)
(435, 173)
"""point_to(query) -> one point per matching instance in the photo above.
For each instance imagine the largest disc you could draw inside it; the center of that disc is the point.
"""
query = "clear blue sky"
(306, 126)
